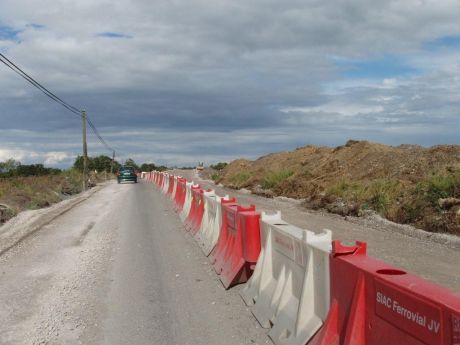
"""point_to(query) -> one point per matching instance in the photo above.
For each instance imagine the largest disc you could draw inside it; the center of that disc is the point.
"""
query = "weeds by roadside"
(34, 192)
(419, 204)
(240, 180)
(274, 178)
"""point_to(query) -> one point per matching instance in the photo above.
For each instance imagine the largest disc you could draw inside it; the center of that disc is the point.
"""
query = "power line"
(35, 83)
(7, 62)
(96, 133)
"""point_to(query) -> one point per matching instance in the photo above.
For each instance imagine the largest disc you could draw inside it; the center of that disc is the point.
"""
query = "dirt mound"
(404, 183)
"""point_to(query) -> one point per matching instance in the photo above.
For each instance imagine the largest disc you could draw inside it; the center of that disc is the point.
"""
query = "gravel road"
(118, 268)
(433, 261)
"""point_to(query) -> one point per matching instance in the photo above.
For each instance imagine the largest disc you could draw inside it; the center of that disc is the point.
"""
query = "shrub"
(383, 194)
(218, 166)
(442, 186)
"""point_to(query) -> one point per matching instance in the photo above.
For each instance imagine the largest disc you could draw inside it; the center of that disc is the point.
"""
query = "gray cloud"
(200, 80)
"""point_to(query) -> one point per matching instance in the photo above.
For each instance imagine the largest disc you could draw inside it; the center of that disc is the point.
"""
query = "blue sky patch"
(387, 66)
(113, 35)
(443, 42)
(8, 33)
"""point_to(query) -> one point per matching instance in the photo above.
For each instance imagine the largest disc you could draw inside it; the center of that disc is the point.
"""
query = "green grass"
(380, 195)
(441, 186)
(383, 195)
(274, 178)
(240, 178)
(347, 190)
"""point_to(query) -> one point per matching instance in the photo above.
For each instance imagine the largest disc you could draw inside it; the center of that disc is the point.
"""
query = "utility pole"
(113, 160)
(85, 149)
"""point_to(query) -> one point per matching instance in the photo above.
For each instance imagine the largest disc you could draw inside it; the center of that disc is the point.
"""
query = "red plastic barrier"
(195, 221)
(160, 180)
(170, 185)
(193, 207)
(238, 247)
(219, 249)
(179, 198)
(373, 303)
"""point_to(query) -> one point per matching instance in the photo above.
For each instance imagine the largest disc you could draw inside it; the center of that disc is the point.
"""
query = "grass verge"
(34, 192)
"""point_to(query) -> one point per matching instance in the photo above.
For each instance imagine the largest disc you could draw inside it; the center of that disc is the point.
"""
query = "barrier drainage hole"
(391, 272)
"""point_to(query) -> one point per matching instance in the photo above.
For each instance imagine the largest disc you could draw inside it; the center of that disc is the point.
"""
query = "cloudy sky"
(176, 82)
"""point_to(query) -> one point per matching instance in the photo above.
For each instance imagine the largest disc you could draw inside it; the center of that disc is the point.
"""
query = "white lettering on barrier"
(414, 315)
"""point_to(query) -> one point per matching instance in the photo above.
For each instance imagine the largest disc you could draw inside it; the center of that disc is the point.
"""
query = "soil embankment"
(407, 184)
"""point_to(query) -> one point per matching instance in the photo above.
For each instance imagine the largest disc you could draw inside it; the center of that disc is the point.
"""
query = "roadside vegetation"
(407, 184)
(34, 186)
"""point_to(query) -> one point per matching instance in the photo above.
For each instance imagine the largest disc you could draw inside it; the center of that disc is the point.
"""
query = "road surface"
(118, 268)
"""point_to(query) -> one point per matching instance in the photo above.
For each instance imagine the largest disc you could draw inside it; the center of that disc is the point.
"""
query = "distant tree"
(130, 162)
(9, 165)
(219, 166)
(103, 163)
(148, 167)
(12, 168)
(99, 163)
(35, 170)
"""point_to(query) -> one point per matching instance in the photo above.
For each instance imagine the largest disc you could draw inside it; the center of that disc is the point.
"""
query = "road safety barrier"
(238, 246)
(303, 292)
(165, 185)
(193, 221)
(170, 188)
(375, 303)
(179, 197)
(173, 192)
(188, 200)
(159, 180)
(289, 290)
(209, 231)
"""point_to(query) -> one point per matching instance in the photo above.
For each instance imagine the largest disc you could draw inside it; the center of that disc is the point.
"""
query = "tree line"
(104, 163)
(14, 168)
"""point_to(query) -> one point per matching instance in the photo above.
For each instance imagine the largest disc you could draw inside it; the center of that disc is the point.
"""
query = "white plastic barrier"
(212, 221)
(188, 200)
(205, 235)
(208, 198)
(289, 290)
(164, 190)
